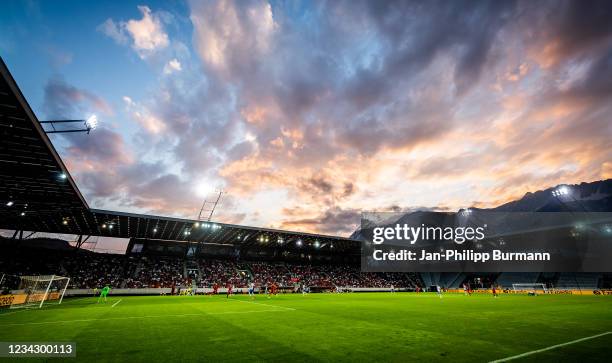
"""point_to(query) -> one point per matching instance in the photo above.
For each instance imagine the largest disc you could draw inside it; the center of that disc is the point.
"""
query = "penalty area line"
(115, 304)
(526, 354)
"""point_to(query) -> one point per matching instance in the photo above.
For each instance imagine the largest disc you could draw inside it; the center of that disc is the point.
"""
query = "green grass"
(321, 327)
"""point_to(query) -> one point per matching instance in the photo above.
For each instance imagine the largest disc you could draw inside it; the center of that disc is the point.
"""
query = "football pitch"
(322, 327)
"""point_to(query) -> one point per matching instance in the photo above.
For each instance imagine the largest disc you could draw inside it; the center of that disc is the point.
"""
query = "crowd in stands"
(110, 269)
(220, 272)
(156, 272)
(93, 270)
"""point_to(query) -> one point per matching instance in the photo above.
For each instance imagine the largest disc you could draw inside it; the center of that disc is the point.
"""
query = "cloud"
(313, 115)
(147, 35)
(141, 114)
(578, 26)
(65, 101)
(114, 31)
(232, 36)
(172, 66)
(332, 221)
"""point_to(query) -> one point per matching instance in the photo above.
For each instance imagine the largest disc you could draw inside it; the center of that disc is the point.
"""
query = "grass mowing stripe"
(324, 327)
(116, 303)
(526, 354)
(146, 317)
(256, 303)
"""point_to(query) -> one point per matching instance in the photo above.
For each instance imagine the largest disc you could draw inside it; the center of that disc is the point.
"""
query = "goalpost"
(535, 288)
(34, 291)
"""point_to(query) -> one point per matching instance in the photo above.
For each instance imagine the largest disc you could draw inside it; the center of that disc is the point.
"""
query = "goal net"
(532, 287)
(35, 291)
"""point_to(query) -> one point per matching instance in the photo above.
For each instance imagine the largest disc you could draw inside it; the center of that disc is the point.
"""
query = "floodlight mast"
(212, 209)
(90, 124)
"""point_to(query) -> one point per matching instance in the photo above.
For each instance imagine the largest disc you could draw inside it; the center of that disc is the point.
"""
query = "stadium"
(204, 290)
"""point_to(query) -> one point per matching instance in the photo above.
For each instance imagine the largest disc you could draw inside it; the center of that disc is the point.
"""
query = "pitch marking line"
(145, 317)
(116, 303)
(549, 348)
(256, 303)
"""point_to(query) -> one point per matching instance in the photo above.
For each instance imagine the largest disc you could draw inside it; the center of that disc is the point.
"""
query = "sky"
(306, 113)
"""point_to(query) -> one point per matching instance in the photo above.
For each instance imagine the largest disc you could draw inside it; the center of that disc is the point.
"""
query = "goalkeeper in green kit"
(103, 293)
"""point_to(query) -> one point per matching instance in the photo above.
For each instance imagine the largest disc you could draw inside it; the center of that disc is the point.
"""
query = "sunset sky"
(308, 112)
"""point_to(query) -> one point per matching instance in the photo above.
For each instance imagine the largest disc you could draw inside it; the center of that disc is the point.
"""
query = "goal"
(530, 288)
(35, 291)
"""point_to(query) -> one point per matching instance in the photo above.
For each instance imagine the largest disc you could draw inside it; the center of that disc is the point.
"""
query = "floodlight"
(155, 230)
(562, 190)
(104, 226)
(92, 122)
(9, 203)
(299, 243)
(22, 214)
(110, 227)
(63, 176)
(204, 189)
(317, 244)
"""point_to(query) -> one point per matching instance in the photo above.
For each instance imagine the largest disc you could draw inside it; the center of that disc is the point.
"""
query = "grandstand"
(579, 281)
(151, 271)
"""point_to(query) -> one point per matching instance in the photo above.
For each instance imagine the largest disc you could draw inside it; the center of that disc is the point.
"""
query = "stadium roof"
(31, 171)
(38, 194)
